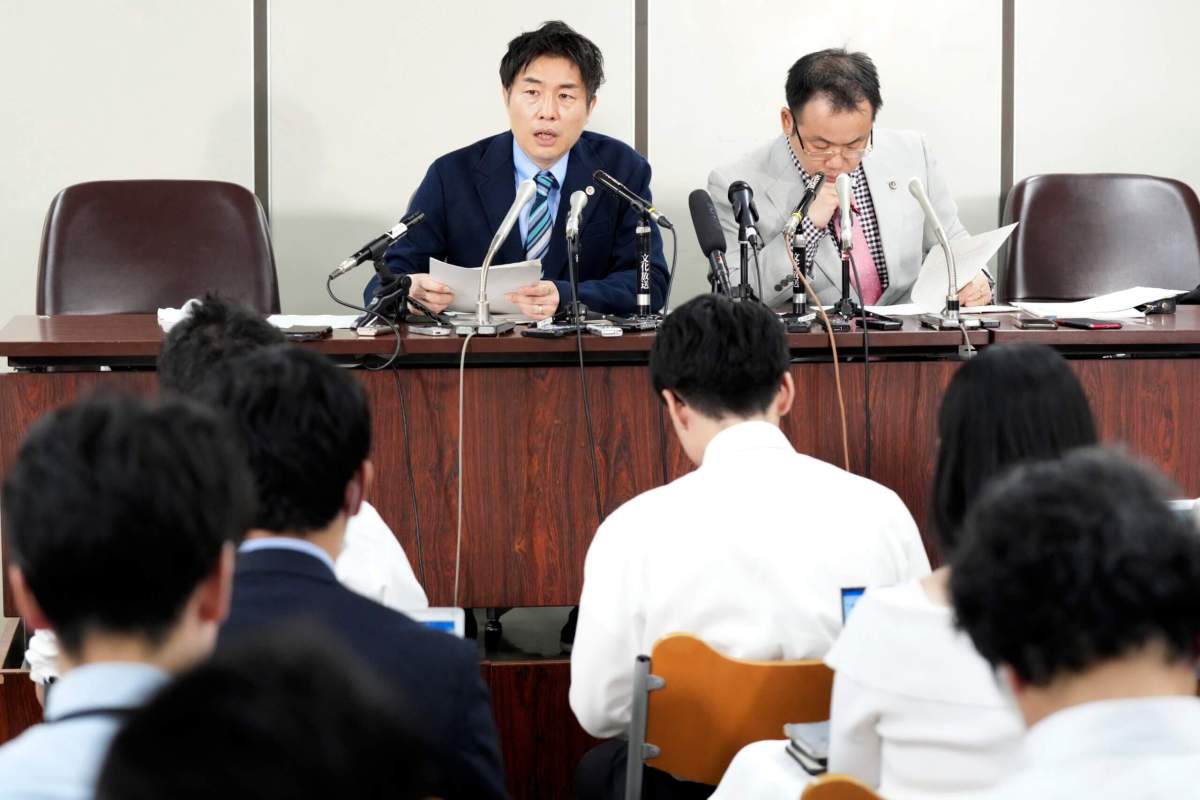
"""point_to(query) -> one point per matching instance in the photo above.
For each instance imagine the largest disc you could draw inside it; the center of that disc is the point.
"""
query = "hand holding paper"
(971, 253)
(503, 280)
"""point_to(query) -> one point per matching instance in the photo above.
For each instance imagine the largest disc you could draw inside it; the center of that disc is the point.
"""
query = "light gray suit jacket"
(896, 158)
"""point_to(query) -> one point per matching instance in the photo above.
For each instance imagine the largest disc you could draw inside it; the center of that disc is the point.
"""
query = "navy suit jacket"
(436, 674)
(465, 195)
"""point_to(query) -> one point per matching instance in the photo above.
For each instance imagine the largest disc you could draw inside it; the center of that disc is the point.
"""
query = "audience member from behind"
(916, 711)
(288, 716)
(749, 552)
(1080, 585)
(372, 562)
(119, 522)
(307, 430)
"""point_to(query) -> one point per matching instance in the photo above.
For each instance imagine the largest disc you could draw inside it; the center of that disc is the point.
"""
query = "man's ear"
(785, 396)
(786, 122)
(214, 593)
(358, 487)
(592, 104)
(27, 605)
(677, 410)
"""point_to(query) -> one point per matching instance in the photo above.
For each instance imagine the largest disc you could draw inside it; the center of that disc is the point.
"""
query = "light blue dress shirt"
(60, 759)
(288, 543)
(525, 169)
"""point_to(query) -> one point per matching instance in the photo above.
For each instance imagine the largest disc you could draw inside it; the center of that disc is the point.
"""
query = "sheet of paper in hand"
(502, 279)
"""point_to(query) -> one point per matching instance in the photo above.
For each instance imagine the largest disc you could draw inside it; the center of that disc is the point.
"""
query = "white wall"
(1107, 86)
(365, 94)
(120, 89)
(717, 73)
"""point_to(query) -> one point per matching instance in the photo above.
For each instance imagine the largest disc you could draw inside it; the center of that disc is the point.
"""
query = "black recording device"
(711, 238)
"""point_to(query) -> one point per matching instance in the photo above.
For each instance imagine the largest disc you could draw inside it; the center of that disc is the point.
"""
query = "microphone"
(741, 197)
(374, 249)
(579, 199)
(710, 236)
(640, 204)
(525, 192)
(917, 190)
(843, 192)
(810, 194)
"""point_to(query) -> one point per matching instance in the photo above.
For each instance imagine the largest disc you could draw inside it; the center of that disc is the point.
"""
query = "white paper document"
(971, 254)
(502, 279)
(1115, 305)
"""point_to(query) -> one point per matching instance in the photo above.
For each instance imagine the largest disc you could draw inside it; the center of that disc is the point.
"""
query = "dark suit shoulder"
(613, 154)
(468, 157)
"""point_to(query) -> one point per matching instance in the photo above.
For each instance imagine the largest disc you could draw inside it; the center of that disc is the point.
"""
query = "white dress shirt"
(917, 712)
(1132, 749)
(748, 552)
(374, 564)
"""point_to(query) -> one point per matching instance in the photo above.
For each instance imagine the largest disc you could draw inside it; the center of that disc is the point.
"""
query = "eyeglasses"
(848, 153)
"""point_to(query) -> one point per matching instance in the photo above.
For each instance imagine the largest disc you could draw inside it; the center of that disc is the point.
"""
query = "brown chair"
(837, 787)
(1085, 235)
(699, 708)
(131, 247)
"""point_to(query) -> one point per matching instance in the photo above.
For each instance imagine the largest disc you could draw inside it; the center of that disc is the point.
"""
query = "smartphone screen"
(849, 600)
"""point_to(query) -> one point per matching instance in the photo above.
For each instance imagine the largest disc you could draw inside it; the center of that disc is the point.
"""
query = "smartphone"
(1090, 324)
(307, 333)
(884, 324)
(431, 330)
(544, 333)
(1036, 324)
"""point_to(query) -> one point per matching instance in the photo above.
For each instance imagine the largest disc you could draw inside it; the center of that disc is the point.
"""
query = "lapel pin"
(892, 185)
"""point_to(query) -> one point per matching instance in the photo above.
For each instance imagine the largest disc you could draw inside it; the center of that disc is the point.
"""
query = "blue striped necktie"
(541, 223)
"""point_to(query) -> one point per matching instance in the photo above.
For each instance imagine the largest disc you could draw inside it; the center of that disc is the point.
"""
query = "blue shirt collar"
(525, 169)
(109, 684)
(288, 543)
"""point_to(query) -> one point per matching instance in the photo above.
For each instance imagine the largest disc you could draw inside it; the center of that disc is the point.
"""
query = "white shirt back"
(1133, 749)
(749, 552)
(916, 710)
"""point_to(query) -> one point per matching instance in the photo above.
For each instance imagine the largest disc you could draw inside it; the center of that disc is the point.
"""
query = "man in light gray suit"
(828, 127)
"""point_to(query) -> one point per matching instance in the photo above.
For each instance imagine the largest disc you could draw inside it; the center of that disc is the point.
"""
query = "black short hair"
(1071, 563)
(720, 357)
(1011, 403)
(554, 38)
(117, 509)
(845, 78)
(215, 329)
(290, 716)
(306, 428)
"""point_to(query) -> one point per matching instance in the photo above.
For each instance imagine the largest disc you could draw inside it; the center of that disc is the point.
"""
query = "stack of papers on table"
(1116, 305)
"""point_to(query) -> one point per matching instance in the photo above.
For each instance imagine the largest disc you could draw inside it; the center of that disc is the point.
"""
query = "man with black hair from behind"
(1081, 587)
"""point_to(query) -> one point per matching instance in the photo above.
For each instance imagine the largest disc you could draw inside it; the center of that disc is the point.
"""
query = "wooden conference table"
(528, 508)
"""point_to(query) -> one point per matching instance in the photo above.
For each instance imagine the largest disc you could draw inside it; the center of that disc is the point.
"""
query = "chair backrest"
(712, 706)
(1085, 235)
(837, 787)
(113, 247)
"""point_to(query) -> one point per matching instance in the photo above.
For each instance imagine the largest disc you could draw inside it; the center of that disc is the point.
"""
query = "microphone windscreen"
(705, 221)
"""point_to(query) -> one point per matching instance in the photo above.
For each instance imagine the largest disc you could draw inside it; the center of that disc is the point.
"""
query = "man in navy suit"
(306, 428)
(549, 79)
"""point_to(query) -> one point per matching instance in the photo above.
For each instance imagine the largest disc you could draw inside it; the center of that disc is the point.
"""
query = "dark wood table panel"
(540, 739)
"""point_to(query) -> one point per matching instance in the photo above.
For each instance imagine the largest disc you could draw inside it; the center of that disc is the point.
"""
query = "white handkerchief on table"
(335, 321)
(502, 279)
(971, 254)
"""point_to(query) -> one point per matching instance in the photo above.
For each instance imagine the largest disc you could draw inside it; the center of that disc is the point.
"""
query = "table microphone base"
(943, 323)
(493, 328)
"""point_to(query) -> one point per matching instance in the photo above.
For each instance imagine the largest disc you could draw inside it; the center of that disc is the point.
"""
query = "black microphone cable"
(572, 252)
(408, 462)
(395, 329)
